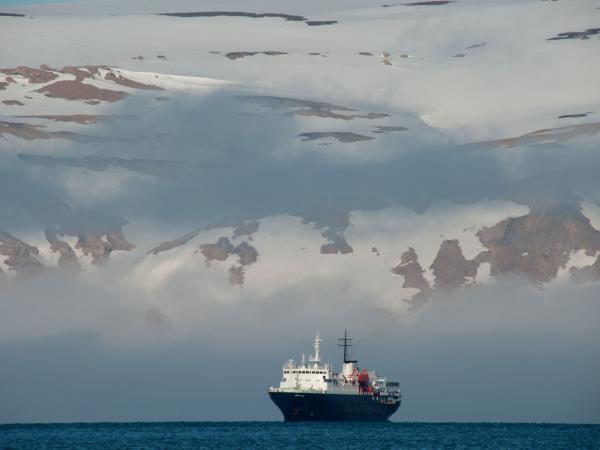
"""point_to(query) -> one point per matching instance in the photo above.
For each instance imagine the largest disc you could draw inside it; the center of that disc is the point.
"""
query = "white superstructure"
(312, 375)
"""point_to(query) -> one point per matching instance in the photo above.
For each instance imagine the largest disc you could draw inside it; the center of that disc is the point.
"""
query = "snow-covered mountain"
(404, 150)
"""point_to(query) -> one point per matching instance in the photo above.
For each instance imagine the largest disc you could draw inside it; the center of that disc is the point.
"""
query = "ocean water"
(278, 435)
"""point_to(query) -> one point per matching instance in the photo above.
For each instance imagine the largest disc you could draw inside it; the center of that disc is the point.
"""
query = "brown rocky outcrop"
(337, 243)
(77, 90)
(92, 243)
(20, 256)
(585, 34)
(388, 129)
(168, 245)
(82, 119)
(412, 272)
(219, 251)
(32, 132)
(537, 244)
(550, 135)
(450, 268)
(68, 259)
(238, 55)
(222, 249)
(248, 254)
(341, 136)
(34, 76)
(78, 72)
(120, 79)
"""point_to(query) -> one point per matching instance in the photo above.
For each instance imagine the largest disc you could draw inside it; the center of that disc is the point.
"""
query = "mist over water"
(485, 356)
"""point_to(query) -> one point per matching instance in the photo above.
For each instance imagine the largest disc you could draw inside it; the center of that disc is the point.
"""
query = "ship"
(311, 390)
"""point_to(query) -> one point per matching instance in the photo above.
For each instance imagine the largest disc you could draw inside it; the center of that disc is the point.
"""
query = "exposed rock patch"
(168, 245)
(78, 72)
(248, 254)
(341, 136)
(551, 135)
(308, 108)
(316, 23)
(240, 55)
(33, 75)
(76, 90)
(450, 268)
(410, 268)
(120, 79)
(337, 243)
(222, 249)
(423, 3)
(429, 3)
(83, 119)
(28, 131)
(575, 34)
(388, 129)
(219, 251)
(574, 116)
(100, 244)
(478, 45)
(20, 257)
(13, 103)
(33, 132)
(537, 244)
(287, 17)
(3, 14)
(68, 259)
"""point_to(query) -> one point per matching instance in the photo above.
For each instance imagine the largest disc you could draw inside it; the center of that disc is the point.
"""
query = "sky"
(166, 337)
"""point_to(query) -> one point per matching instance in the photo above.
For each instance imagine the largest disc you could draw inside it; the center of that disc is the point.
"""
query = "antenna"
(346, 343)
(317, 356)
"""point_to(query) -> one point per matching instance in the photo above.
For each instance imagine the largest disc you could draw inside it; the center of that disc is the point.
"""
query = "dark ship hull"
(333, 407)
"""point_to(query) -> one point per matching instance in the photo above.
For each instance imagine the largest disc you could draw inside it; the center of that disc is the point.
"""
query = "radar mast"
(346, 343)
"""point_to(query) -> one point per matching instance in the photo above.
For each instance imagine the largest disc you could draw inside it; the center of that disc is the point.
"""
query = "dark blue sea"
(276, 435)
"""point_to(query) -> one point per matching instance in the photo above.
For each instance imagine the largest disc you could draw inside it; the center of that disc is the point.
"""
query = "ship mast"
(346, 343)
(316, 358)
